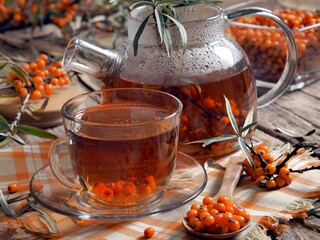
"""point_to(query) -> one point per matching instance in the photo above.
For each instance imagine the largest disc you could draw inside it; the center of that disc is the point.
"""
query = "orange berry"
(40, 88)
(37, 80)
(144, 189)
(17, 84)
(208, 220)
(23, 92)
(280, 182)
(118, 187)
(36, 94)
(149, 232)
(41, 64)
(271, 184)
(98, 188)
(59, 64)
(284, 172)
(54, 81)
(192, 213)
(61, 82)
(33, 66)
(207, 200)
(270, 169)
(129, 188)
(195, 206)
(150, 181)
(220, 207)
(13, 187)
(43, 57)
(233, 225)
(240, 220)
(107, 194)
(48, 89)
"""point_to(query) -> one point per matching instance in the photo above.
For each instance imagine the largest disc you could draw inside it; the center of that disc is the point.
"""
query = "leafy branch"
(164, 13)
(11, 131)
(239, 134)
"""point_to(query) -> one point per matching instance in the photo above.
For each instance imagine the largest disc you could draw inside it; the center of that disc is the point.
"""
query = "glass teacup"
(122, 145)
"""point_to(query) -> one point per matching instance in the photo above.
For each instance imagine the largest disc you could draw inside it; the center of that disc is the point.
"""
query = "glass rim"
(66, 114)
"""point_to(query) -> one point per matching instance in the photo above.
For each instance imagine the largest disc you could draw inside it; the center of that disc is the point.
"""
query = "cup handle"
(292, 53)
(54, 160)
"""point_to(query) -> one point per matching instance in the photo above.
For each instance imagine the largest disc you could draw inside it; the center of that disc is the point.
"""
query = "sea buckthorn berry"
(288, 180)
(107, 194)
(208, 220)
(98, 188)
(192, 213)
(48, 90)
(263, 147)
(149, 232)
(129, 188)
(54, 81)
(195, 206)
(23, 92)
(271, 184)
(268, 158)
(220, 207)
(13, 187)
(233, 225)
(144, 189)
(240, 220)
(118, 187)
(198, 226)
(36, 94)
(270, 169)
(207, 200)
(260, 172)
(284, 172)
(150, 181)
(225, 200)
(280, 181)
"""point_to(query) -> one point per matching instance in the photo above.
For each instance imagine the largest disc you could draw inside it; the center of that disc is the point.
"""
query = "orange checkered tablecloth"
(20, 163)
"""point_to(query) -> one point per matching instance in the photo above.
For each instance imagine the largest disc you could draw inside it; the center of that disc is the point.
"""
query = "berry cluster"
(13, 14)
(222, 216)
(267, 172)
(24, 13)
(122, 190)
(43, 76)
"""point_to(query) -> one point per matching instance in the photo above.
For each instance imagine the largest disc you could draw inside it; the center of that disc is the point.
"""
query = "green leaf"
(4, 141)
(4, 125)
(231, 116)
(138, 35)
(21, 73)
(2, 66)
(245, 151)
(246, 129)
(182, 30)
(310, 132)
(35, 131)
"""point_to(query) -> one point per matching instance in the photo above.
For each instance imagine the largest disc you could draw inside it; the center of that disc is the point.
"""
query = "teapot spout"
(83, 57)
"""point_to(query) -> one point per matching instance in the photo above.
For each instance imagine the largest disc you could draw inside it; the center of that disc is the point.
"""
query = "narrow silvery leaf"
(167, 41)
(182, 30)
(160, 24)
(21, 73)
(231, 116)
(288, 132)
(138, 35)
(49, 219)
(141, 3)
(245, 151)
(212, 163)
(209, 141)
(6, 208)
(247, 121)
(17, 139)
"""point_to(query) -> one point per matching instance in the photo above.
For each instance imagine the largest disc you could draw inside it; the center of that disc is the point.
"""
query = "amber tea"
(122, 162)
(122, 144)
(204, 113)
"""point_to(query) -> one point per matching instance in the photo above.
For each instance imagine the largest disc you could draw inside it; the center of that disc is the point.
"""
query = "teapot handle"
(292, 53)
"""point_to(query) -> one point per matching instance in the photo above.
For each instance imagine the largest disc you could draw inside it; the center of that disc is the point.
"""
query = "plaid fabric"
(20, 163)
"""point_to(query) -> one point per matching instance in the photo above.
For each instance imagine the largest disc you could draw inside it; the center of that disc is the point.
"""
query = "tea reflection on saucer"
(188, 181)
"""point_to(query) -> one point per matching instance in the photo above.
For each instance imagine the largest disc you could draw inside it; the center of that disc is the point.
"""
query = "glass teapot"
(213, 66)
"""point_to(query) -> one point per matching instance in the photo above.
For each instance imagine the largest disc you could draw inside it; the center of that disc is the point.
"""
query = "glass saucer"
(188, 181)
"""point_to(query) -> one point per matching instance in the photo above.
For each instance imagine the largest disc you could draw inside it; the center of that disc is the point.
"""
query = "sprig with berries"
(260, 164)
(30, 82)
